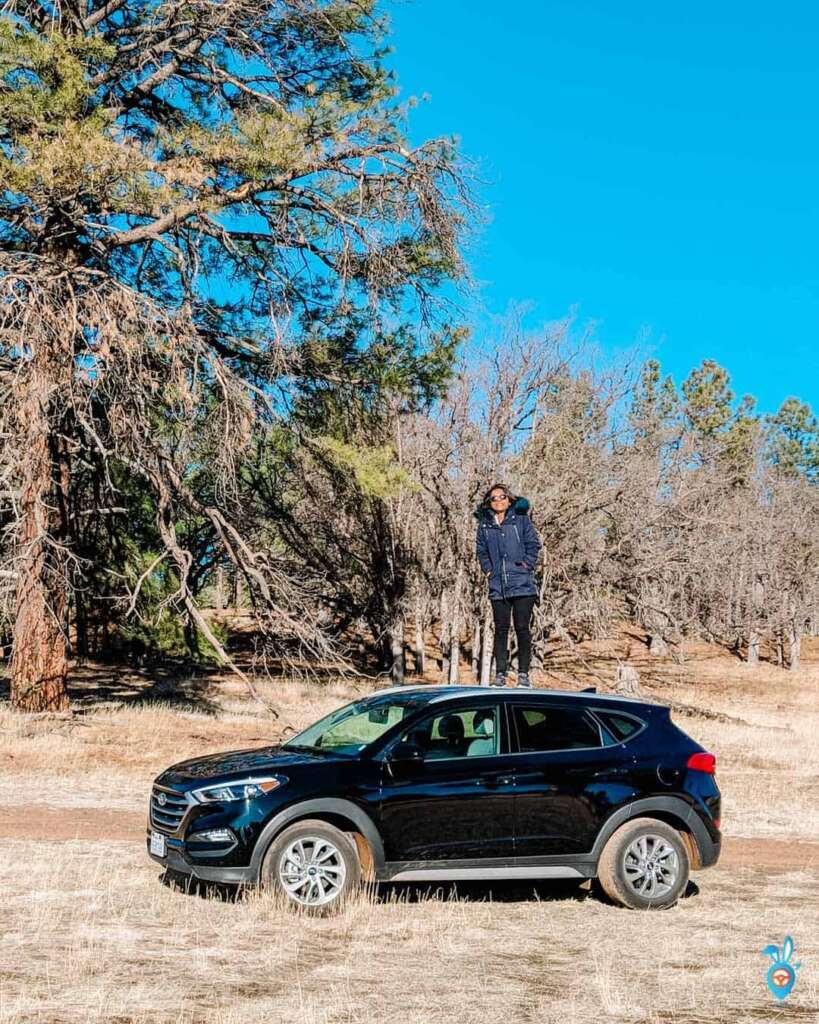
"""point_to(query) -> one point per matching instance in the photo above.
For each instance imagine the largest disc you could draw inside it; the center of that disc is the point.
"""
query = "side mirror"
(403, 756)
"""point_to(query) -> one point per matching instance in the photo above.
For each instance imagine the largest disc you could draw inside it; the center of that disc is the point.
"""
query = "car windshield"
(350, 729)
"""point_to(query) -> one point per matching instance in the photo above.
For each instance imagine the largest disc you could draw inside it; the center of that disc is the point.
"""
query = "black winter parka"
(509, 551)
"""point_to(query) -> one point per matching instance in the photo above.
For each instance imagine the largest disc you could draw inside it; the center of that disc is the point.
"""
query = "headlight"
(244, 789)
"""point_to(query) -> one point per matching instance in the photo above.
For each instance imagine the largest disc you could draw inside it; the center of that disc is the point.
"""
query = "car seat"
(452, 732)
(483, 725)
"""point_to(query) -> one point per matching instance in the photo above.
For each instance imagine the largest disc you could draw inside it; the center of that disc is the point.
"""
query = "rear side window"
(619, 726)
(558, 728)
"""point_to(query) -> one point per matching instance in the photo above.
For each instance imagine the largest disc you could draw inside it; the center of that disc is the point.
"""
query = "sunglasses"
(502, 497)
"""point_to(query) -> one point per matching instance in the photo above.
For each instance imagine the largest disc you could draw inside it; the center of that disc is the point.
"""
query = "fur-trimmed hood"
(519, 507)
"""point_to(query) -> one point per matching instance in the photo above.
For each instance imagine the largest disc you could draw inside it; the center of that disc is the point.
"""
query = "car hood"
(235, 764)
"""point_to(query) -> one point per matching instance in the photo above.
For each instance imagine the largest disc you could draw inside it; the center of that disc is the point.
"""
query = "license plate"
(157, 844)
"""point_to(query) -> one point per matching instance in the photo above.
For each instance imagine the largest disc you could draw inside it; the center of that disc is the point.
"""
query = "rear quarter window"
(619, 726)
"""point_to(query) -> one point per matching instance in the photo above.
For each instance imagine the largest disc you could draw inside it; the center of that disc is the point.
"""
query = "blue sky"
(655, 165)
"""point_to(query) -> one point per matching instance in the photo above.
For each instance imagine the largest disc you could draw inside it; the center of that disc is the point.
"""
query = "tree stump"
(627, 681)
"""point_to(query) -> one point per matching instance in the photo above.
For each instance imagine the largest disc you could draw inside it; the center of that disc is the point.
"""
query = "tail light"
(702, 762)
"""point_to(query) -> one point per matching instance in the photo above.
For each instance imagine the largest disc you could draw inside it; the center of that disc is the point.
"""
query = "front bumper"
(175, 860)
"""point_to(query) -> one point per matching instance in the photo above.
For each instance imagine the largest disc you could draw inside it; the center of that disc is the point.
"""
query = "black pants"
(521, 609)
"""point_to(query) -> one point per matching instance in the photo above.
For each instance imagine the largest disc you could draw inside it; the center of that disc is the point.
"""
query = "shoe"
(524, 680)
(499, 680)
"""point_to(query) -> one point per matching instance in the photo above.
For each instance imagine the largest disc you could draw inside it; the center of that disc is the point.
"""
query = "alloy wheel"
(312, 871)
(651, 866)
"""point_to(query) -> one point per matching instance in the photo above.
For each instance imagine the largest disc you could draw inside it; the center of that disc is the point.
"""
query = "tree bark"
(419, 640)
(219, 589)
(476, 650)
(757, 598)
(455, 651)
(627, 681)
(486, 649)
(794, 636)
(795, 652)
(455, 635)
(397, 649)
(445, 639)
(39, 660)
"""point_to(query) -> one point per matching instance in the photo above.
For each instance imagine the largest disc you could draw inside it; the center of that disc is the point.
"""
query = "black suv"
(451, 782)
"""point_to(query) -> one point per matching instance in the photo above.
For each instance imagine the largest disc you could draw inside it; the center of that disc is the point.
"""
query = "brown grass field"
(90, 933)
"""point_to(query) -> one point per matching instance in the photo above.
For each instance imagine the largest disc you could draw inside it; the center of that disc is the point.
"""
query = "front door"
(458, 802)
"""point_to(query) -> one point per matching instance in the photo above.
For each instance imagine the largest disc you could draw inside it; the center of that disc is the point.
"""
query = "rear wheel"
(313, 864)
(644, 865)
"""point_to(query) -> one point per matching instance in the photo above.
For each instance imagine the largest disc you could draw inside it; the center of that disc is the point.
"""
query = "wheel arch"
(672, 811)
(343, 814)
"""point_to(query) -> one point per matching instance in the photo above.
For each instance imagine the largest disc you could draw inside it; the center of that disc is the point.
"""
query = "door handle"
(495, 781)
(530, 777)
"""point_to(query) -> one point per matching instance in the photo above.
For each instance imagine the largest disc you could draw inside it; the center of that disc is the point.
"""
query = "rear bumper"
(709, 849)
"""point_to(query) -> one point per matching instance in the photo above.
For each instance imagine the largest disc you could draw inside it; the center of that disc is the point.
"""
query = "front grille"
(167, 816)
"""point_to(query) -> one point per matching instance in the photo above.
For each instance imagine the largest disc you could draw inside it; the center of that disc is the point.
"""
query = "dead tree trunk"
(627, 681)
(486, 649)
(397, 649)
(795, 623)
(445, 638)
(795, 653)
(476, 650)
(39, 660)
(219, 590)
(419, 639)
(455, 636)
(757, 599)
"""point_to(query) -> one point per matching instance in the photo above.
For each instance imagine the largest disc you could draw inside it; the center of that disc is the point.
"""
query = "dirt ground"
(91, 935)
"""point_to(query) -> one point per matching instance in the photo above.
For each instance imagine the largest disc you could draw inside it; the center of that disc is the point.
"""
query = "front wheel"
(313, 864)
(644, 865)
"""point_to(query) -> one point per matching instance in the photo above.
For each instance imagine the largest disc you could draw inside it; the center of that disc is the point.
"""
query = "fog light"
(214, 835)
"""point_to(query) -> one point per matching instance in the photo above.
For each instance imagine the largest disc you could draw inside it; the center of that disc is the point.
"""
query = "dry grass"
(108, 755)
(90, 934)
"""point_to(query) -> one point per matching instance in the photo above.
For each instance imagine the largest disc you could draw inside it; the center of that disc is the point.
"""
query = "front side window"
(470, 732)
(554, 728)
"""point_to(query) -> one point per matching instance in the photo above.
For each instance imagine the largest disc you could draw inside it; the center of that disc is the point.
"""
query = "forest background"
(235, 373)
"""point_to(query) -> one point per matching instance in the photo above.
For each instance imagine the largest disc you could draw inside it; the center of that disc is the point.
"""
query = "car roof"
(443, 693)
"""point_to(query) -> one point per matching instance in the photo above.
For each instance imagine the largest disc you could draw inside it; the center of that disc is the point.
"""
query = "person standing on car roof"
(507, 547)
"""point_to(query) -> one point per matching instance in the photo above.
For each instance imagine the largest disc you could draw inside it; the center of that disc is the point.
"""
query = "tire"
(644, 865)
(314, 866)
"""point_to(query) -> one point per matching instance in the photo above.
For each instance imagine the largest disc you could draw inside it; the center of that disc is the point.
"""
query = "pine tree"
(793, 438)
(203, 203)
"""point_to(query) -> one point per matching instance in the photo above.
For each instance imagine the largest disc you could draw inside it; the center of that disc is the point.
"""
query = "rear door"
(566, 780)
(458, 803)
